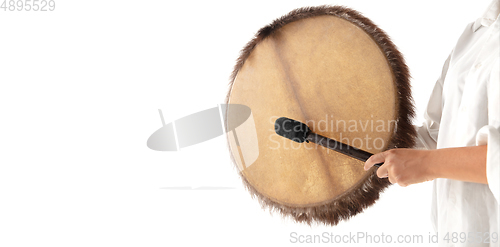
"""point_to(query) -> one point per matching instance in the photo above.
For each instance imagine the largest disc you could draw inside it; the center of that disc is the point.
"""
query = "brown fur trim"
(366, 192)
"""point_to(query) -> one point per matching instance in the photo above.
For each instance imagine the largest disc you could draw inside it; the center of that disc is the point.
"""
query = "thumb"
(374, 159)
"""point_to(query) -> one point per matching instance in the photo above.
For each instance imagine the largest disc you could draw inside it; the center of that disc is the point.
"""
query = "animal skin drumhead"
(334, 70)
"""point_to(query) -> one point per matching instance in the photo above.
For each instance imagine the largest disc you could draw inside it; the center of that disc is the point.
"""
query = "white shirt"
(464, 110)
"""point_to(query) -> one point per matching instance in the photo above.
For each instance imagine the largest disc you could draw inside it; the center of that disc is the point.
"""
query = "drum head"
(334, 70)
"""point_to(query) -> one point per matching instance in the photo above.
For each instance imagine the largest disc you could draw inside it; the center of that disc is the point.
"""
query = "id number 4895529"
(28, 5)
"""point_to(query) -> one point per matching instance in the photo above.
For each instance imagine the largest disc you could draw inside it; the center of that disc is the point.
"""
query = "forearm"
(463, 163)
(409, 166)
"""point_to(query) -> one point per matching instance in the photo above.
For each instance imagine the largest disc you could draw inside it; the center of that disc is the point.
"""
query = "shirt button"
(463, 108)
(478, 65)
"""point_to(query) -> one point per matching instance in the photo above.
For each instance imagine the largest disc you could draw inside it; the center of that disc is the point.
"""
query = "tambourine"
(336, 71)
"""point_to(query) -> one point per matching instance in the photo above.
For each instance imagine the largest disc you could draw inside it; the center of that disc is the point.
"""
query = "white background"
(79, 93)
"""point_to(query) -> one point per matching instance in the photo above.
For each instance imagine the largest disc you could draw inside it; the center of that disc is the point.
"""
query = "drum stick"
(300, 132)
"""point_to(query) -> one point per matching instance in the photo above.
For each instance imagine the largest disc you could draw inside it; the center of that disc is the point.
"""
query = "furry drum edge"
(335, 70)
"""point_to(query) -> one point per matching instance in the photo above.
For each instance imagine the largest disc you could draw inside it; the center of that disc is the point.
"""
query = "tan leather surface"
(320, 71)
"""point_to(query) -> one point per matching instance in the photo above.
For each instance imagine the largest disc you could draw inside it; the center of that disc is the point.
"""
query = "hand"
(403, 166)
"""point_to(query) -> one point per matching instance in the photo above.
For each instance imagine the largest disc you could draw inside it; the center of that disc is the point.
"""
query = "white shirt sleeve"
(490, 134)
(427, 134)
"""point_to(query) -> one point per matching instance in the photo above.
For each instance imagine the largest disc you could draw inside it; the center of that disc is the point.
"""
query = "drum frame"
(367, 190)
